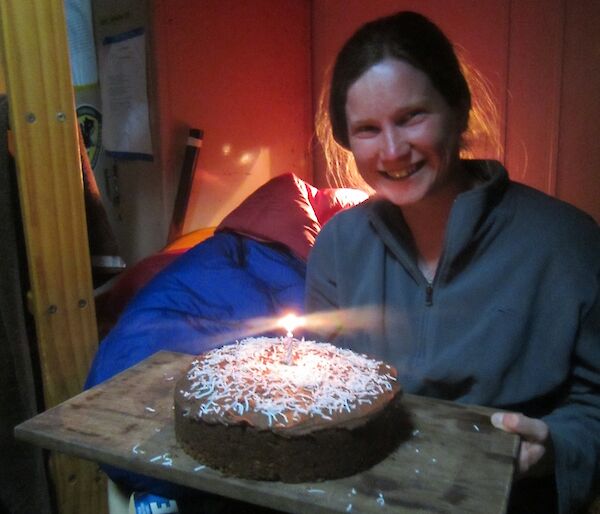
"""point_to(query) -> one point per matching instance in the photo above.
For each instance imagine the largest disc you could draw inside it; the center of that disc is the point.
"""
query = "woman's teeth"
(402, 173)
(398, 173)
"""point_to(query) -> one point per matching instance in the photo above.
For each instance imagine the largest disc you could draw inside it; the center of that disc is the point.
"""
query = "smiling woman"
(435, 251)
(403, 134)
(481, 135)
(405, 140)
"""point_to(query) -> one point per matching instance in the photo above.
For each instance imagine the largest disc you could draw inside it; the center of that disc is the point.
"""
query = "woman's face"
(402, 133)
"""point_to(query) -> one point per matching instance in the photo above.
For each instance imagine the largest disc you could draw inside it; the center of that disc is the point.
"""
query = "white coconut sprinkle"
(349, 508)
(150, 409)
(199, 468)
(137, 451)
(380, 500)
(318, 491)
(250, 376)
(165, 457)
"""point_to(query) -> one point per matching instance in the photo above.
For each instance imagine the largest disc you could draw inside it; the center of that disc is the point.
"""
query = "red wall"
(240, 71)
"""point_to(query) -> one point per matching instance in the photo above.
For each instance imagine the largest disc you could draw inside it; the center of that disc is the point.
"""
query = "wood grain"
(453, 461)
(38, 80)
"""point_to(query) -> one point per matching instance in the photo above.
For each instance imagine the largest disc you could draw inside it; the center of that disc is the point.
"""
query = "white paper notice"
(81, 42)
(126, 124)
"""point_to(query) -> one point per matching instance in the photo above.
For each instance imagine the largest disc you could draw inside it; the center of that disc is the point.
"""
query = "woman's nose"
(394, 146)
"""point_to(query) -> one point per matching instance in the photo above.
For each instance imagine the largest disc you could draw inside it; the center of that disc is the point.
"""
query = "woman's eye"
(365, 129)
(411, 117)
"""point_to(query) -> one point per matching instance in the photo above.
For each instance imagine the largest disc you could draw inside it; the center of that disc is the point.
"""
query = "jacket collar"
(471, 216)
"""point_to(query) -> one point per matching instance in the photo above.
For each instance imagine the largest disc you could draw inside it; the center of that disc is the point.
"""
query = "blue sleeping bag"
(209, 296)
(206, 298)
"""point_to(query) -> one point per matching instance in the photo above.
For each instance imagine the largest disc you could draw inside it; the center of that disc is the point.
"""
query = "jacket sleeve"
(575, 426)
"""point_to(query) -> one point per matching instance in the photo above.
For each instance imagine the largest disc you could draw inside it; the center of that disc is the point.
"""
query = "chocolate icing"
(248, 383)
(328, 413)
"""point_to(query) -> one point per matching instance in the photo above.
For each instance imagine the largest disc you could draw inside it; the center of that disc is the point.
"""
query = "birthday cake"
(321, 412)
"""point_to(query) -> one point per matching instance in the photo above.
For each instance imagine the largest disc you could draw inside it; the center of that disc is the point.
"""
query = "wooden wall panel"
(578, 177)
(534, 87)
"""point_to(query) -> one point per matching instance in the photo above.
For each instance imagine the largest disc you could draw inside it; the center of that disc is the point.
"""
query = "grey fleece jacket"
(511, 319)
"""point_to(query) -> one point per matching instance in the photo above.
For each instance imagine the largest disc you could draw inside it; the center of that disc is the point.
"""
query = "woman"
(477, 289)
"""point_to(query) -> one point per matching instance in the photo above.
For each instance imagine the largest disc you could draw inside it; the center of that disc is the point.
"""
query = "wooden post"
(44, 125)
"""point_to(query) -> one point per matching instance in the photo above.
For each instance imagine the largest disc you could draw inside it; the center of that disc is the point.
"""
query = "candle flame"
(290, 322)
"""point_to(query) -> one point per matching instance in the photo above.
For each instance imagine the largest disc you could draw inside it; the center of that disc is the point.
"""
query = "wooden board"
(454, 460)
(35, 53)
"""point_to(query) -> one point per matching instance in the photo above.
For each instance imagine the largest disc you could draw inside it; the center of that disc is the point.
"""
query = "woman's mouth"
(402, 173)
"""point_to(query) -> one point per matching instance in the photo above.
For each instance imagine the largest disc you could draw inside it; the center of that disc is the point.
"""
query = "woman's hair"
(409, 37)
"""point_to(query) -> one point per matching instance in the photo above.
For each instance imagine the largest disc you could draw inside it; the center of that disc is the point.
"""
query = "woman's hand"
(536, 457)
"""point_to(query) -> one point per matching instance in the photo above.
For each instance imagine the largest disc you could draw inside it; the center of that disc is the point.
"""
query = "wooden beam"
(43, 122)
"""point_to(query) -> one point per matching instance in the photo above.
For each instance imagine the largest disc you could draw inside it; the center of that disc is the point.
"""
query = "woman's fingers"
(530, 455)
(530, 429)
(535, 451)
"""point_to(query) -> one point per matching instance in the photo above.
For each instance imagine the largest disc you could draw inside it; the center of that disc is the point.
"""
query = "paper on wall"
(126, 124)
(82, 50)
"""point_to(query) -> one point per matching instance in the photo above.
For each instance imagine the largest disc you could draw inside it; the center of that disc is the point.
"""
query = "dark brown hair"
(407, 36)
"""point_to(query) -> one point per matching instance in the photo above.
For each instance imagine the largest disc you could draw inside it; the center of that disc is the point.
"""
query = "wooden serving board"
(452, 461)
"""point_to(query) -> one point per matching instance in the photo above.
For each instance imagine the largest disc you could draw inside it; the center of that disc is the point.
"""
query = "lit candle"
(289, 322)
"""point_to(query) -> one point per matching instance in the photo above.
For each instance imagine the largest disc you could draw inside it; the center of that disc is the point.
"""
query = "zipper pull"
(429, 295)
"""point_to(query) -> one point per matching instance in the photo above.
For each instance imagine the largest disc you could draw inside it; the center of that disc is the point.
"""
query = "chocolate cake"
(251, 411)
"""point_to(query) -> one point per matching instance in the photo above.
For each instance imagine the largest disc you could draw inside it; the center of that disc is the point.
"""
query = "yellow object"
(35, 59)
(190, 239)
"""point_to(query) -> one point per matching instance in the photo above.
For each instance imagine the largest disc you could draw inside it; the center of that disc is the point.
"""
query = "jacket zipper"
(429, 295)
